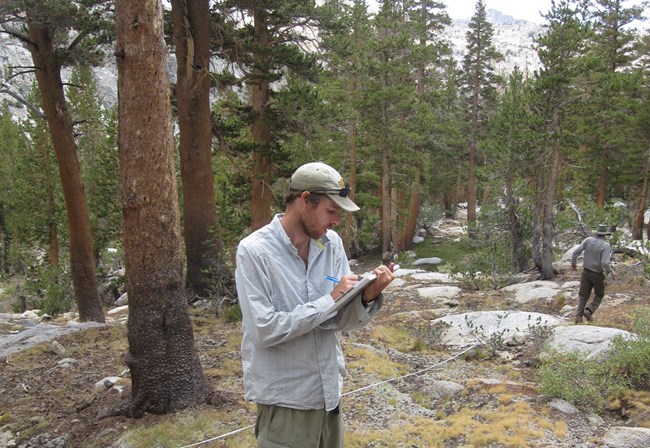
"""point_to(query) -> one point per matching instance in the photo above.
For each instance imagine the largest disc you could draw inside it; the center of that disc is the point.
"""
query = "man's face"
(317, 218)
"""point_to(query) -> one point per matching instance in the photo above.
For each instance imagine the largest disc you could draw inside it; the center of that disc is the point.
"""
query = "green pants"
(588, 281)
(279, 427)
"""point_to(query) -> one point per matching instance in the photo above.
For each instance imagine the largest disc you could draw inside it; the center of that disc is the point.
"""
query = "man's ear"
(305, 197)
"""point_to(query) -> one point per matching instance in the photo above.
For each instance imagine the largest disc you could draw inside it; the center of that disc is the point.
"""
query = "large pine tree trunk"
(191, 21)
(413, 212)
(82, 262)
(261, 194)
(165, 369)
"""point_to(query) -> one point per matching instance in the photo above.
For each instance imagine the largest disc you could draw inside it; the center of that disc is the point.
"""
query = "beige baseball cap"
(318, 177)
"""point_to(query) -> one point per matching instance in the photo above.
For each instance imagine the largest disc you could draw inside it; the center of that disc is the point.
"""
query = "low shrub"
(629, 357)
(592, 383)
(583, 382)
(49, 290)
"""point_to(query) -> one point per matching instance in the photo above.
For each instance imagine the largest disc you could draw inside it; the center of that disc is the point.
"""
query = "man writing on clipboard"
(292, 360)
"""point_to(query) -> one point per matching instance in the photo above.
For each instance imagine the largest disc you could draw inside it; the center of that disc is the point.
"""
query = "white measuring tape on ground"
(419, 372)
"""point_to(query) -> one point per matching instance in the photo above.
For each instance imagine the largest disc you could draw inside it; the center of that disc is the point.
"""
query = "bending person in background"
(292, 360)
(595, 266)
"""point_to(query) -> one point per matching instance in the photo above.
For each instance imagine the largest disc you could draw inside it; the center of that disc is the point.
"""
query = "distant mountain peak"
(495, 17)
(514, 38)
(499, 18)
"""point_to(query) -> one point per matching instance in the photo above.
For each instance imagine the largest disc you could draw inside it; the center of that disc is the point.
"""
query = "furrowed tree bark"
(165, 369)
(261, 194)
(205, 266)
(82, 260)
(413, 211)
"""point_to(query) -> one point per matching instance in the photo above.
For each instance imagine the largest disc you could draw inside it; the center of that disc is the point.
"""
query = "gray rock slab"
(439, 296)
(624, 437)
(434, 292)
(530, 285)
(118, 310)
(537, 290)
(570, 285)
(467, 329)
(424, 261)
(564, 406)
(439, 389)
(29, 337)
(437, 277)
(590, 340)
(401, 272)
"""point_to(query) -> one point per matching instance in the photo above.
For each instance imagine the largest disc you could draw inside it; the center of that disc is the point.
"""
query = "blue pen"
(332, 279)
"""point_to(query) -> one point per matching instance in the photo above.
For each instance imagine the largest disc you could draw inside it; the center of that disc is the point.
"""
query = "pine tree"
(265, 41)
(60, 33)
(643, 133)
(611, 96)
(345, 48)
(560, 49)
(38, 192)
(394, 100)
(14, 215)
(431, 51)
(165, 368)
(97, 144)
(206, 272)
(509, 150)
(479, 85)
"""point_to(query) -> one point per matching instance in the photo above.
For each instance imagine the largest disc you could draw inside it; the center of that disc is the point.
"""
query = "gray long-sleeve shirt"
(597, 256)
(291, 356)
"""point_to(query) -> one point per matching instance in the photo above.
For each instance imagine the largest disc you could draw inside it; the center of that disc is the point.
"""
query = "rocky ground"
(404, 389)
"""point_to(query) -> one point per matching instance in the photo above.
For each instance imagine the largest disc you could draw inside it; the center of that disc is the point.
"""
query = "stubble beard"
(310, 231)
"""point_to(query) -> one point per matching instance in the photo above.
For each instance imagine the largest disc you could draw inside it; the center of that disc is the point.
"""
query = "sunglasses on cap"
(343, 192)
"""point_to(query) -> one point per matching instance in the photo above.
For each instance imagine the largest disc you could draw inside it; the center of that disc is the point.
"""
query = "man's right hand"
(347, 282)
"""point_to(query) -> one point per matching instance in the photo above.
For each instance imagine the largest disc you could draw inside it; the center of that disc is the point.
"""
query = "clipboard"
(352, 294)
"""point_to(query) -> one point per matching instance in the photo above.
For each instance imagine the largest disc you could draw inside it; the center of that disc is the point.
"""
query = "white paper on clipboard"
(353, 293)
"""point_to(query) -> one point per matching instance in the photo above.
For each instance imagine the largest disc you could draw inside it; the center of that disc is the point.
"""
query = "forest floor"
(45, 404)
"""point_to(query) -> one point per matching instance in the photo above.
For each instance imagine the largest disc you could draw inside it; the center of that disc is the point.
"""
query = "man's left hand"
(384, 277)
